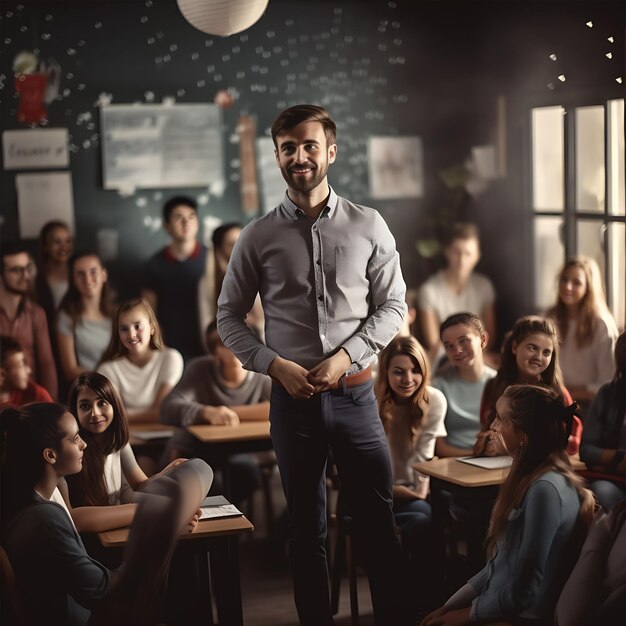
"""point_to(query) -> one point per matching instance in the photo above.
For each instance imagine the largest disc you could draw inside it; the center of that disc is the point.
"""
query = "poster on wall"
(157, 145)
(273, 185)
(396, 167)
(35, 148)
(43, 197)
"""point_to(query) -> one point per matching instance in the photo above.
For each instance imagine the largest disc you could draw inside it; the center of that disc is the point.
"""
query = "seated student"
(84, 319)
(587, 329)
(603, 446)
(595, 592)
(216, 389)
(412, 413)
(538, 522)
(140, 367)
(16, 387)
(456, 288)
(100, 497)
(529, 356)
(462, 382)
(21, 318)
(58, 581)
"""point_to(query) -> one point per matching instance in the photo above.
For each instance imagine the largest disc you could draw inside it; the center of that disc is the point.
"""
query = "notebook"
(487, 462)
(214, 507)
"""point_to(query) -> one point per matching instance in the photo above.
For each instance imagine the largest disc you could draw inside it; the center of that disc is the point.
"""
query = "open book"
(487, 462)
(214, 507)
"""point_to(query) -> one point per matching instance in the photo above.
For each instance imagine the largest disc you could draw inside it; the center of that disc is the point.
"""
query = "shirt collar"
(296, 212)
(172, 259)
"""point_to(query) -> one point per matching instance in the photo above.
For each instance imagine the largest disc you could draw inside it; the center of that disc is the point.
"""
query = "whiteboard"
(155, 146)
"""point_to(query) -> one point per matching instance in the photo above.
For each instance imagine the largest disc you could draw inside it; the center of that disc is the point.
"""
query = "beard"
(18, 291)
(305, 184)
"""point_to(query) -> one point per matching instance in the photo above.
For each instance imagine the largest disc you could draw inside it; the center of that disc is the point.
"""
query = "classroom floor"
(266, 587)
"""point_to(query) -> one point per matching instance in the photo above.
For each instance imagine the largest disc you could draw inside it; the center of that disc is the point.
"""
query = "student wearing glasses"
(21, 318)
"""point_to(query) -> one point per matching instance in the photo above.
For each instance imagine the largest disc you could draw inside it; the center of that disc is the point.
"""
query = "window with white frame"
(578, 172)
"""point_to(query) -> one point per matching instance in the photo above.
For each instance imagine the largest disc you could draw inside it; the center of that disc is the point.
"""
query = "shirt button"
(314, 227)
(318, 262)
(320, 298)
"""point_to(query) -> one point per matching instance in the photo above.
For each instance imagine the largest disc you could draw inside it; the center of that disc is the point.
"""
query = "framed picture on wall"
(396, 167)
(159, 146)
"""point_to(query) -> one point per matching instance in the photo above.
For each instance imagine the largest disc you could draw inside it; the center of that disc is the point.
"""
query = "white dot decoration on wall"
(222, 17)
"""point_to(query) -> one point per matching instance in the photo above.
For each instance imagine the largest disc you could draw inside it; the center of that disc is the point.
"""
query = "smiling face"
(59, 245)
(67, 457)
(304, 157)
(95, 414)
(404, 377)
(463, 345)
(135, 330)
(512, 437)
(532, 356)
(572, 286)
(89, 277)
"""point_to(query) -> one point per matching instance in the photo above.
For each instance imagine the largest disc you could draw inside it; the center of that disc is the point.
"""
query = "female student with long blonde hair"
(586, 327)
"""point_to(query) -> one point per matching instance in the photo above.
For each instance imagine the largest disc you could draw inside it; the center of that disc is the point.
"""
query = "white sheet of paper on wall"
(396, 167)
(43, 197)
(37, 148)
(273, 185)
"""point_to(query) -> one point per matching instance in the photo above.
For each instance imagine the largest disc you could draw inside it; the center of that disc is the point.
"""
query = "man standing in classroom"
(172, 276)
(330, 283)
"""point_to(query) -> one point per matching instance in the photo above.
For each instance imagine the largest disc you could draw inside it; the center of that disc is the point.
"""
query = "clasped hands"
(302, 383)
(489, 443)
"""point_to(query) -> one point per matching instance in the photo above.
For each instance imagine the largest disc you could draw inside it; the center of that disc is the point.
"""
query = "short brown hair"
(300, 113)
(461, 230)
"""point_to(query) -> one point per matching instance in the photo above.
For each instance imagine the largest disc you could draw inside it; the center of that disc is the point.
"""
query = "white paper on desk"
(214, 507)
(487, 462)
(148, 435)
(41, 198)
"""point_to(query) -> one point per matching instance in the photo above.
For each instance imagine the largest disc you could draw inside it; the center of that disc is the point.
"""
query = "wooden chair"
(12, 608)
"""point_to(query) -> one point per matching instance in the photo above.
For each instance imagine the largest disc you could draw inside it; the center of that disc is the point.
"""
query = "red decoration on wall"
(32, 89)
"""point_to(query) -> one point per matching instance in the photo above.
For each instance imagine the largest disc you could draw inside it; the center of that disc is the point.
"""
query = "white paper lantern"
(222, 17)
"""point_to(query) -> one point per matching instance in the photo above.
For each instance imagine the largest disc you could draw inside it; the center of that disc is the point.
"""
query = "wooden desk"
(220, 442)
(189, 581)
(449, 475)
(157, 433)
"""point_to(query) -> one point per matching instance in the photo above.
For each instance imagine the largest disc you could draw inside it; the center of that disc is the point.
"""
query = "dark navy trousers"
(346, 421)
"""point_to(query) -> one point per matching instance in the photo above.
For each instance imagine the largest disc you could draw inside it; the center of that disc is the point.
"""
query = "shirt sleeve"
(425, 296)
(46, 368)
(433, 428)
(64, 324)
(87, 580)
(172, 367)
(591, 440)
(487, 292)
(387, 290)
(239, 290)
(181, 406)
(542, 519)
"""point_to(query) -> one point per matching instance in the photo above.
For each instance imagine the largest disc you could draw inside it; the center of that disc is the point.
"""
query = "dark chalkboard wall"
(432, 69)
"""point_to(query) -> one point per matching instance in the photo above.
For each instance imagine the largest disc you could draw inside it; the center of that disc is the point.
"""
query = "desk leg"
(226, 581)
(439, 508)
(189, 592)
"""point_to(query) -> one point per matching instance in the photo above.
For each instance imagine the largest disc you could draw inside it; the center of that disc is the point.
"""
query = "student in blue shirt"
(538, 521)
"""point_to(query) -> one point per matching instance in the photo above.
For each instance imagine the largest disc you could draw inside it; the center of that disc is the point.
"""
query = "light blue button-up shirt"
(324, 284)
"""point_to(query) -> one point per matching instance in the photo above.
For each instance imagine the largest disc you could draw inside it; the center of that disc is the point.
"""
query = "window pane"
(590, 159)
(590, 238)
(617, 273)
(549, 256)
(616, 167)
(547, 156)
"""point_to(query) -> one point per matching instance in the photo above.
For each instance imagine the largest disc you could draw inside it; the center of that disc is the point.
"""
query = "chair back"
(12, 607)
